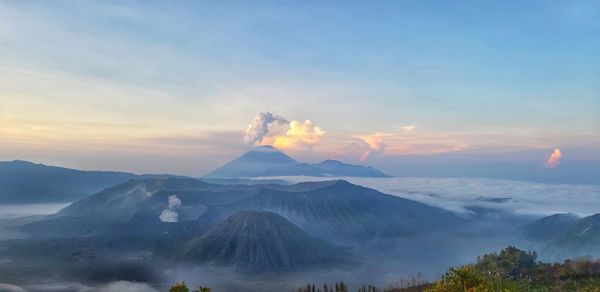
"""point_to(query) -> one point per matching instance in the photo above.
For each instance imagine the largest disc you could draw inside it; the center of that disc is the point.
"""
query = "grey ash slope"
(265, 161)
(342, 209)
(563, 236)
(258, 241)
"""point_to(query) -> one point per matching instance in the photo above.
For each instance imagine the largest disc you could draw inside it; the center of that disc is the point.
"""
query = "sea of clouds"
(11, 211)
(117, 286)
(458, 194)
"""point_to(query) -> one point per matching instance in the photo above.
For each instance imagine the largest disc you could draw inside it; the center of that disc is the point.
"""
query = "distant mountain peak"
(331, 161)
(266, 160)
(265, 148)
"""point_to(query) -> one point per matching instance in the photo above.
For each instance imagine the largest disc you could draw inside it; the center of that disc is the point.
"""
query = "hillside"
(563, 236)
(258, 241)
(26, 182)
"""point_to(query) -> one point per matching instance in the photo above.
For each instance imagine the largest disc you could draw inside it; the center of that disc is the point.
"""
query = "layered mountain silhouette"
(331, 207)
(26, 182)
(264, 161)
(250, 228)
(259, 241)
(343, 209)
(565, 235)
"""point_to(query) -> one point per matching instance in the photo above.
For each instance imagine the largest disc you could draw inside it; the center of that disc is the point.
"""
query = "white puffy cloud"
(299, 134)
(271, 129)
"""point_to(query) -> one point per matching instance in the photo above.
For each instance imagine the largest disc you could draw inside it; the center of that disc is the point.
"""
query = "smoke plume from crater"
(276, 130)
(169, 214)
(259, 128)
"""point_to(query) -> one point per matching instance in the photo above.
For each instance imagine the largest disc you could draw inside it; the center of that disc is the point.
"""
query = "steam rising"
(554, 159)
(169, 214)
(259, 127)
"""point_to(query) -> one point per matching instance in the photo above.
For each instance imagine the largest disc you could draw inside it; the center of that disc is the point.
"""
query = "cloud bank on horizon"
(460, 194)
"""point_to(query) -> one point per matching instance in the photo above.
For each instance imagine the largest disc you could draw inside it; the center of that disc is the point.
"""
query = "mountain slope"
(253, 163)
(343, 209)
(550, 227)
(26, 182)
(265, 161)
(563, 236)
(257, 241)
(338, 168)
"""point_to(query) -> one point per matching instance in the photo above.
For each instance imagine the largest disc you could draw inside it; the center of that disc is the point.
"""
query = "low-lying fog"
(384, 261)
(457, 193)
(12, 211)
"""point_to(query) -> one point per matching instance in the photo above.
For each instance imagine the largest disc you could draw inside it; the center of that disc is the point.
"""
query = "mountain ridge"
(268, 161)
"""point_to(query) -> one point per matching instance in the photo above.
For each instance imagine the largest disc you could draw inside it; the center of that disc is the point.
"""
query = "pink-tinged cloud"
(374, 143)
(554, 159)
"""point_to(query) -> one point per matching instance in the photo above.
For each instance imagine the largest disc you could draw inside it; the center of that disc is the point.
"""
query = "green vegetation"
(338, 287)
(182, 287)
(510, 270)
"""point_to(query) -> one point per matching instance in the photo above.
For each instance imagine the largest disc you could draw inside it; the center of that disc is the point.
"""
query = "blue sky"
(163, 86)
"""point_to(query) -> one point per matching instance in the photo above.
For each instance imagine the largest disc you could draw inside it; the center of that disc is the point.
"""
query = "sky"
(411, 87)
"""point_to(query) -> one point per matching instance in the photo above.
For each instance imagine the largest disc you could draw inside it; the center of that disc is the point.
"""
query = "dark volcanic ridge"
(259, 241)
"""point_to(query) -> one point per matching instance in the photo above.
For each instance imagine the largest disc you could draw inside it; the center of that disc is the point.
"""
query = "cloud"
(409, 128)
(259, 127)
(116, 286)
(554, 158)
(268, 129)
(60, 286)
(169, 214)
(457, 194)
(11, 288)
(299, 134)
(371, 144)
(126, 286)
